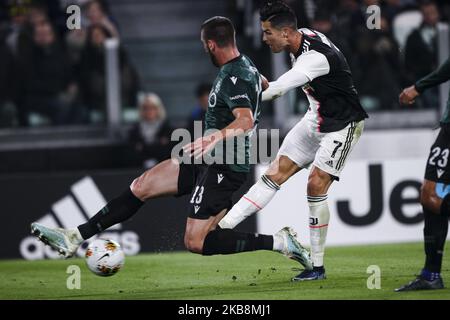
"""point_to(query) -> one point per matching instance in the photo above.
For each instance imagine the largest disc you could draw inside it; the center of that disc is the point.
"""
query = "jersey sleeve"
(309, 65)
(438, 76)
(313, 64)
(291, 79)
(236, 92)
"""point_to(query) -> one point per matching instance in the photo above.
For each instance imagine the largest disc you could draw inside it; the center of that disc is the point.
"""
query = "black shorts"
(210, 188)
(438, 164)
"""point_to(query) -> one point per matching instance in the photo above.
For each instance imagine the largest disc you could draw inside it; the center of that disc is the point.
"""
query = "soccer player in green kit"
(234, 107)
(435, 193)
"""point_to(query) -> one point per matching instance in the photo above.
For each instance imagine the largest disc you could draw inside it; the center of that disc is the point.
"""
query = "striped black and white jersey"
(322, 71)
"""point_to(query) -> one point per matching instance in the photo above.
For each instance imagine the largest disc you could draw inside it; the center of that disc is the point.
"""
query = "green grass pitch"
(246, 276)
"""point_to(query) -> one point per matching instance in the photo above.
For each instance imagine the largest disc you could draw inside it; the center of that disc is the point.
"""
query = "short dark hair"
(219, 29)
(279, 14)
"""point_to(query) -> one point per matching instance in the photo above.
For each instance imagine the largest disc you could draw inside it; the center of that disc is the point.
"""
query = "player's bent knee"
(194, 245)
(138, 189)
(316, 186)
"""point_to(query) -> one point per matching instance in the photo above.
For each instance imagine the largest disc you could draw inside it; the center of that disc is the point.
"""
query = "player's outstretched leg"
(159, 181)
(261, 193)
(256, 198)
(227, 241)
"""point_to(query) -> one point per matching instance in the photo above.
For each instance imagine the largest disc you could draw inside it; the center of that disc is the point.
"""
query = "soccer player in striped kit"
(323, 138)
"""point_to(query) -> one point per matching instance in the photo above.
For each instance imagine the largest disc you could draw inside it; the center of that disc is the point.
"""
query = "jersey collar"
(234, 59)
(300, 49)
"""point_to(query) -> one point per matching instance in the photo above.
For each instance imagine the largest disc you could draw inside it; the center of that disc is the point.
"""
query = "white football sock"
(76, 235)
(278, 243)
(256, 198)
(319, 216)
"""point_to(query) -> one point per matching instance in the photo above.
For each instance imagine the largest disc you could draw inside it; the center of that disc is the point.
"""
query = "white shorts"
(327, 151)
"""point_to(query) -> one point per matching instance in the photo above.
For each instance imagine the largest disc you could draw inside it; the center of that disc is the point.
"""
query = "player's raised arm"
(309, 66)
(286, 82)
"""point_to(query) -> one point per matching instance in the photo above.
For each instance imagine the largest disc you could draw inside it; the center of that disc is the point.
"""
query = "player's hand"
(202, 145)
(408, 95)
(264, 82)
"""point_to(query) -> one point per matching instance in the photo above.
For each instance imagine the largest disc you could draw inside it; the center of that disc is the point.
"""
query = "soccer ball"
(104, 257)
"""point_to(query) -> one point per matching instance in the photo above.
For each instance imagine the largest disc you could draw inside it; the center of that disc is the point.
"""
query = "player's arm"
(435, 78)
(309, 66)
(286, 82)
(242, 123)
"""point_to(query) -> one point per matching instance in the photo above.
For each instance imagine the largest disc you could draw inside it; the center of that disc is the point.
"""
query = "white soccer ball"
(104, 257)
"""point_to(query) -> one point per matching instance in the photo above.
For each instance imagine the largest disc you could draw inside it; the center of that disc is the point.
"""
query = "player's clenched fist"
(408, 95)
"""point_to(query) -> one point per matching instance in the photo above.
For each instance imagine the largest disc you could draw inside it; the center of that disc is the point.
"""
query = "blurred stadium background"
(71, 102)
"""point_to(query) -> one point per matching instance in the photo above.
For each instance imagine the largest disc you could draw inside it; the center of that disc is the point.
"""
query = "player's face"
(209, 48)
(273, 37)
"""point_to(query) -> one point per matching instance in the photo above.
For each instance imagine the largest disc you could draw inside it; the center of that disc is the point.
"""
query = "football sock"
(278, 242)
(227, 241)
(319, 216)
(78, 236)
(321, 268)
(435, 233)
(429, 276)
(117, 210)
(256, 198)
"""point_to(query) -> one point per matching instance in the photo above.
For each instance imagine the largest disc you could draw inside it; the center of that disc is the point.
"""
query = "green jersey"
(238, 85)
(438, 76)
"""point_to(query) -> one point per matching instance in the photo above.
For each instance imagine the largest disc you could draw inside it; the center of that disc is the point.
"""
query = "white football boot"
(65, 241)
(293, 249)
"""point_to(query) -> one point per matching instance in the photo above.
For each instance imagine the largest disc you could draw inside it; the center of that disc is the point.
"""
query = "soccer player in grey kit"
(234, 109)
